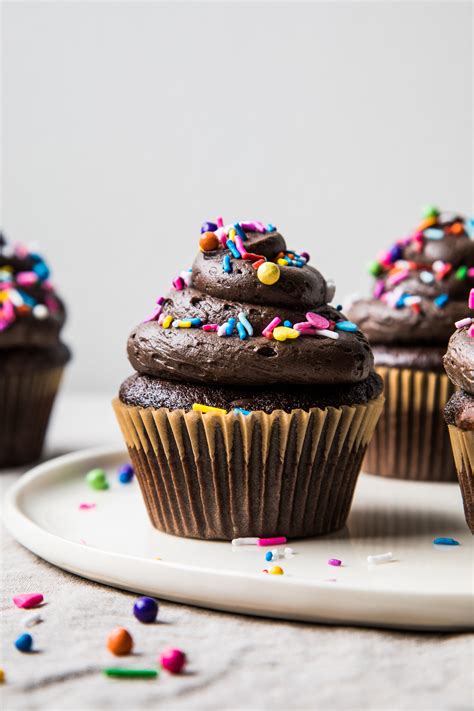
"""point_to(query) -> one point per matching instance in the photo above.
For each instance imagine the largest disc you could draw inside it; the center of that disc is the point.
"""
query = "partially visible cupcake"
(459, 412)
(421, 287)
(32, 356)
(253, 399)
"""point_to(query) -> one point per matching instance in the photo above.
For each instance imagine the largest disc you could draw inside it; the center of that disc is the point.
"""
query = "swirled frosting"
(216, 325)
(421, 285)
(31, 313)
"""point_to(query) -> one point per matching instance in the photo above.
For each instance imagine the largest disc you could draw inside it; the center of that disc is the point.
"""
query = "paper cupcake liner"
(411, 440)
(216, 476)
(462, 443)
(26, 401)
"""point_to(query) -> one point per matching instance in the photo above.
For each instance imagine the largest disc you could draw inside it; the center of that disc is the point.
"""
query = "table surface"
(235, 662)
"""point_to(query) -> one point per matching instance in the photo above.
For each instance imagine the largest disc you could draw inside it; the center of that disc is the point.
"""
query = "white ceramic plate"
(426, 587)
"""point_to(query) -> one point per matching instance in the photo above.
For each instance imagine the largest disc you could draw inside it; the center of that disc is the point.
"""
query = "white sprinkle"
(32, 620)
(245, 541)
(186, 276)
(289, 552)
(327, 333)
(40, 311)
(463, 322)
(222, 330)
(438, 265)
(378, 559)
(15, 297)
(275, 555)
(426, 277)
(7, 251)
(409, 300)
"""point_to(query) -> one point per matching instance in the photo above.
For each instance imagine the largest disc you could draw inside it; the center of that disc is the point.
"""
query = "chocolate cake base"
(463, 450)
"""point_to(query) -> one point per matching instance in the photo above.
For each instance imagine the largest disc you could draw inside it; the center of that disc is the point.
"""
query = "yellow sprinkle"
(281, 333)
(276, 570)
(282, 262)
(268, 273)
(231, 234)
(167, 321)
(3, 296)
(2, 676)
(207, 408)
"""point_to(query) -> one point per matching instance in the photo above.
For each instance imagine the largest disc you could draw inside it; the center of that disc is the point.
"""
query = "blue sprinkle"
(242, 332)
(208, 227)
(339, 307)
(226, 265)
(270, 227)
(268, 555)
(395, 253)
(233, 249)
(196, 322)
(288, 324)
(246, 323)
(346, 326)
(441, 300)
(230, 326)
(24, 642)
(125, 474)
(29, 301)
(240, 231)
(469, 225)
(239, 410)
(445, 542)
(41, 270)
(434, 233)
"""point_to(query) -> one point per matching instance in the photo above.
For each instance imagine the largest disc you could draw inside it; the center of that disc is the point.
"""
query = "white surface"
(426, 586)
(127, 124)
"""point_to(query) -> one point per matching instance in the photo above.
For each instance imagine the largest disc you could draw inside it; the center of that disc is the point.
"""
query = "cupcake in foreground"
(421, 287)
(459, 412)
(253, 399)
(32, 357)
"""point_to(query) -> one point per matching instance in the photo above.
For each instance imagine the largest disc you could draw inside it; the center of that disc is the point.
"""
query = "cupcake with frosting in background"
(421, 287)
(32, 356)
(459, 412)
(253, 399)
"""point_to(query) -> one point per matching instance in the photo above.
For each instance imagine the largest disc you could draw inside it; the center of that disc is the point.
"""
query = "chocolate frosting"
(420, 357)
(24, 286)
(459, 360)
(460, 410)
(194, 355)
(423, 265)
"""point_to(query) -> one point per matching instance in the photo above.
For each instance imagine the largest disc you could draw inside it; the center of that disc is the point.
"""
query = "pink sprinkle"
(273, 324)
(8, 312)
(471, 299)
(52, 304)
(178, 283)
(271, 541)
(260, 227)
(240, 245)
(160, 300)
(399, 277)
(26, 278)
(470, 272)
(220, 222)
(27, 600)
(334, 561)
(154, 314)
(379, 288)
(210, 327)
(161, 319)
(303, 327)
(85, 506)
(471, 331)
(463, 322)
(316, 320)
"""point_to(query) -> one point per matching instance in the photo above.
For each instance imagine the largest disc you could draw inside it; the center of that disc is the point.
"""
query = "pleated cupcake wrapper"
(463, 449)
(217, 476)
(26, 401)
(411, 440)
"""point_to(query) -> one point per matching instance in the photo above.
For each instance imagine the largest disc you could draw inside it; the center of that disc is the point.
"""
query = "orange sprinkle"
(457, 228)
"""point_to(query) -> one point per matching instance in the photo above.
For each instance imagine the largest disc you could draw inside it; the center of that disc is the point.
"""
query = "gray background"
(128, 124)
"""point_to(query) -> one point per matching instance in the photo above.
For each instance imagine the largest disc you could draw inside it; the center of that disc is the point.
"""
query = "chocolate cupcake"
(32, 357)
(459, 412)
(253, 400)
(421, 287)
